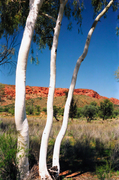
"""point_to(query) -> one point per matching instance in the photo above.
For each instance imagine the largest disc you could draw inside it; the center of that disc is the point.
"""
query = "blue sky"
(96, 71)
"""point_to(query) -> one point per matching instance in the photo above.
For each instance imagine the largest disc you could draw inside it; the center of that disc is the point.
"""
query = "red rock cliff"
(33, 92)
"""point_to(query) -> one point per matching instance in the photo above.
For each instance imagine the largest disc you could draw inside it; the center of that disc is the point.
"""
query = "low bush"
(11, 111)
(8, 161)
(1, 109)
(6, 109)
(89, 111)
(79, 113)
(115, 113)
(29, 110)
(44, 110)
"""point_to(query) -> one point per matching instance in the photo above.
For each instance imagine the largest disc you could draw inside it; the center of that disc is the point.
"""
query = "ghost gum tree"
(20, 112)
(73, 82)
(43, 171)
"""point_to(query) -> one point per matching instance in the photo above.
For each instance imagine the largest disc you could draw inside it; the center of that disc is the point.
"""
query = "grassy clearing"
(87, 147)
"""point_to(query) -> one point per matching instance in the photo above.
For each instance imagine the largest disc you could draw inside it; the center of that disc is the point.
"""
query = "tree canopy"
(117, 73)
(89, 111)
(106, 109)
(13, 16)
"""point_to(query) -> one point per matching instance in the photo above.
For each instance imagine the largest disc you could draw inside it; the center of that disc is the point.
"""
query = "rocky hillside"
(8, 93)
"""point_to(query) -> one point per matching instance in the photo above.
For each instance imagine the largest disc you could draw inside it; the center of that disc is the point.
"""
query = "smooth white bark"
(71, 90)
(20, 113)
(43, 172)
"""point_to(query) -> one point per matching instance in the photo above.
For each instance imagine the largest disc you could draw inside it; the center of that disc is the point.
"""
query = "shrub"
(106, 109)
(11, 111)
(6, 109)
(55, 112)
(115, 113)
(44, 110)
(73, 107)
(8, 162)
(1, 91)
(38, 110)
(29, 110)
(89, 111)
(1, 109)
(79, 113)
(93, 103)
(73, 110)
(105, 171)
(60, 111)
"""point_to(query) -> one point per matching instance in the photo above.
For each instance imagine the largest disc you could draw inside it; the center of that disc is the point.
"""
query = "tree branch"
(47, 15)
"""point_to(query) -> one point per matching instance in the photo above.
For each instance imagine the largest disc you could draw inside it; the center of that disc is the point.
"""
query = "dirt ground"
(34, 175)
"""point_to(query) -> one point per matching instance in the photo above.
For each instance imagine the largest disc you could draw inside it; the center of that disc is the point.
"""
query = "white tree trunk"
(71, 89)
(43, 172)
(20, 113)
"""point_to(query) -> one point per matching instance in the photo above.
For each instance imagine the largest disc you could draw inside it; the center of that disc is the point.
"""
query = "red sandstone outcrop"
(33, 92)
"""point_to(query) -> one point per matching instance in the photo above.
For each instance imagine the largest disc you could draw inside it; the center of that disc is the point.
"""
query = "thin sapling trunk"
(43, 172)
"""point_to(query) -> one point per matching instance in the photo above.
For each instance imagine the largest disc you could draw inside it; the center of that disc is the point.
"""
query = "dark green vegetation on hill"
(83, 106)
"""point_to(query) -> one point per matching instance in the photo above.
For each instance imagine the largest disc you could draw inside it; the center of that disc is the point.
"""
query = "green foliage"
(6, 109)
(13, 15)
(38, 109)
(60, 111)
(44, 28)
(29, 110)
(1, 91)
(98, 5)
(117, 73)
(55, 112)
(117, 31)
(73, 107)
(105, 171)
(11, 111)
(93, 103)
(8, 161)
(79, 113)
(115, 113)
(89, 111)
(1, 109)
(45, 110)
(106, 109)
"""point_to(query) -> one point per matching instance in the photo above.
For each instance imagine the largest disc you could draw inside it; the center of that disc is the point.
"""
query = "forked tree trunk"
(43, 172)
(20, 112)
(71, 89)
